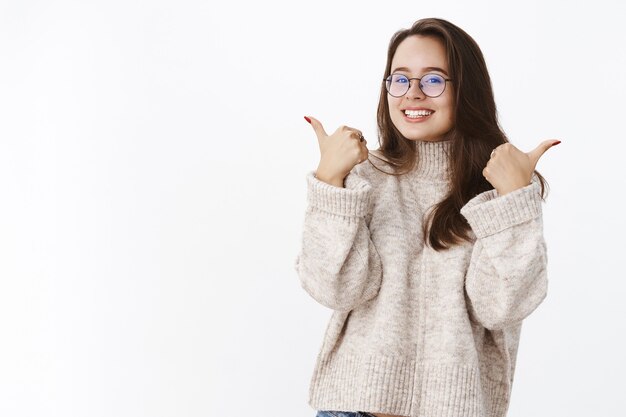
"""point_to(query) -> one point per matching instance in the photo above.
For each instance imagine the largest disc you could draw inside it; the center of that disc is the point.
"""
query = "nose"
(414, 90)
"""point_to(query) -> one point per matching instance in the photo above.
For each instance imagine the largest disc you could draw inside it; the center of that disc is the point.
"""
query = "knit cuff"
(489, 213)
(353, 200)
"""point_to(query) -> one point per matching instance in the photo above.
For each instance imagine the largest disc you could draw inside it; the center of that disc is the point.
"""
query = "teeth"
(417, 113)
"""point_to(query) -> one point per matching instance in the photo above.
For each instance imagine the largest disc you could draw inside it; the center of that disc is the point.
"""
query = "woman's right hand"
(340, 152)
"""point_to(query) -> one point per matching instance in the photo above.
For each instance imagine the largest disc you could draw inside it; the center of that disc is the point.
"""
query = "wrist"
(335, 181)
(510, 189)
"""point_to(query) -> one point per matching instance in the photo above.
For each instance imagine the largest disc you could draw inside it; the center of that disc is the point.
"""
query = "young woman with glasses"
(432, 253)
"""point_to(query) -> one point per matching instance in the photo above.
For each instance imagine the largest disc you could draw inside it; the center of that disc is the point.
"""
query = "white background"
(152, 191)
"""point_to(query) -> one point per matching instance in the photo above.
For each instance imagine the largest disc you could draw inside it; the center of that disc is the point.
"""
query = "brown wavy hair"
(475, 134)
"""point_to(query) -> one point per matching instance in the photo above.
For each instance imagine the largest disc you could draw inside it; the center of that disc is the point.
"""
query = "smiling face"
(415, 115)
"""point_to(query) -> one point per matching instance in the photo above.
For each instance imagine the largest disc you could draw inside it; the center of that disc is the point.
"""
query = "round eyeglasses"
(432, 85)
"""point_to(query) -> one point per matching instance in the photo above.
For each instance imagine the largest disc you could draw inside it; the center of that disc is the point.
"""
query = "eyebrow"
(423, 69)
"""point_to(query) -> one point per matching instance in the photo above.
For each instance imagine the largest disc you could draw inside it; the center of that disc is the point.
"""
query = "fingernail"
(307, 119)
(556, 143)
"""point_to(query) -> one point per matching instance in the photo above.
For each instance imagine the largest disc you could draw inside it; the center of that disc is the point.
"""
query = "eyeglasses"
(432, 85)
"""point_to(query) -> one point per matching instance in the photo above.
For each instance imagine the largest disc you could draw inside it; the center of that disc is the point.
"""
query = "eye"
(399, 79)
(432, 79)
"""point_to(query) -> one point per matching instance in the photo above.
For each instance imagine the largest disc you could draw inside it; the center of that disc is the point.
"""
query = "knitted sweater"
(416, 332)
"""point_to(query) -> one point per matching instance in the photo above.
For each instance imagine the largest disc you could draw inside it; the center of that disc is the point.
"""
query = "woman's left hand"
(509, 168)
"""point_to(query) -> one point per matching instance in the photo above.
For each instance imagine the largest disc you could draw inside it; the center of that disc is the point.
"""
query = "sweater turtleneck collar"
(433, 160)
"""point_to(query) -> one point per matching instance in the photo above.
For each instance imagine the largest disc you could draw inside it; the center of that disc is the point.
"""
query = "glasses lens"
(397, 85)
(432, 85)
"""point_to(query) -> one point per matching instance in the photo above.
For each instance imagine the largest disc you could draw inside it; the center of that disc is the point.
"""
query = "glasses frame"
(388, 79)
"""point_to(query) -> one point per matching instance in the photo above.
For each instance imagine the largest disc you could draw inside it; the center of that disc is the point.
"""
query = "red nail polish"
(307, 119)
(556, 143)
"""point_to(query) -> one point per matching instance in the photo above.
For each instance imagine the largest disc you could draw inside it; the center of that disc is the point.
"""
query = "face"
(432, 117)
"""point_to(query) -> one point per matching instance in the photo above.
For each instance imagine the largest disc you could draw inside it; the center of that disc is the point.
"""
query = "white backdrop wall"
(152, 183)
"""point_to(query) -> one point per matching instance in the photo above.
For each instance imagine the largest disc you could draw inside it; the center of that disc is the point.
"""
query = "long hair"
(475, 134)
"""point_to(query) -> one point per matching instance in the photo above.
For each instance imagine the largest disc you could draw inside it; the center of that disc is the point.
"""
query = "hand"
(340, 152)
(510, 169)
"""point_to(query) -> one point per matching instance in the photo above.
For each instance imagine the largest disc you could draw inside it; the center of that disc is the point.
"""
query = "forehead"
(417, 52)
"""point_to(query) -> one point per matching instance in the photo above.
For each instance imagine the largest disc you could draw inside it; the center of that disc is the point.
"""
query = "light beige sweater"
(417, 332)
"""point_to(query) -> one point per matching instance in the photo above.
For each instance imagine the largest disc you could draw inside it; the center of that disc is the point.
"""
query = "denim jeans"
(330, 413)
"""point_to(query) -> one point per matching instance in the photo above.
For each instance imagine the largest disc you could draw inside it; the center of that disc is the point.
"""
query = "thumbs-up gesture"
(509, 168)
(340, 152)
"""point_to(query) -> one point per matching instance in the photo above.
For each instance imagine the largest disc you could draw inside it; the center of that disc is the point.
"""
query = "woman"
(430, 255)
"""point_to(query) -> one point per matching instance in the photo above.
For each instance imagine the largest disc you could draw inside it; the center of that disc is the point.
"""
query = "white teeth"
(417, 113)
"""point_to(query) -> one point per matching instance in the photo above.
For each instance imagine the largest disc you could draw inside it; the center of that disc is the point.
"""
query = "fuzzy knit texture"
(416, 332)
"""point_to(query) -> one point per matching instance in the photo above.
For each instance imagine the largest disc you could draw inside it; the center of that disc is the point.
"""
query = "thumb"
(536, 153)
(317, 127)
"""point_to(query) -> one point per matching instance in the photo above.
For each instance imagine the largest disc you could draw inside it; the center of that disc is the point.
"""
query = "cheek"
(392, 103)
(449, 110)
(450, 103)
(392, 107)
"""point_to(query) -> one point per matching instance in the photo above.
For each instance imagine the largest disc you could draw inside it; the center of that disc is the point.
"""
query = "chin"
(425, 137)
(421, 131)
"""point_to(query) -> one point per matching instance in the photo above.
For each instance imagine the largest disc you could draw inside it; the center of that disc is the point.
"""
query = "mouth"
(417, 114)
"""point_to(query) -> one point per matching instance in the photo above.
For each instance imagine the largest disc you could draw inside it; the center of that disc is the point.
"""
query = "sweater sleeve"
(506, 279)
(338, 264)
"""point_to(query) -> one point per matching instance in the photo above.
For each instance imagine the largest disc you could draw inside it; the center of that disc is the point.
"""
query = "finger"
(358, 135)
(362, 158)
(317, 127)
(354, 133)
(536, 153)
